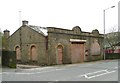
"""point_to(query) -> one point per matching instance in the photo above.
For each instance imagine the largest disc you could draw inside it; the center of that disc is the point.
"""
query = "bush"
(9, 59)
(112, 56)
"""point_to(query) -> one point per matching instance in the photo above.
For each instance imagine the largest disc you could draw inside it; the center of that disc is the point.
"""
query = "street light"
(104, 26)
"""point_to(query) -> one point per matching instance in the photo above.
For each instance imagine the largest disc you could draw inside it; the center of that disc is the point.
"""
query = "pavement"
(21, 66)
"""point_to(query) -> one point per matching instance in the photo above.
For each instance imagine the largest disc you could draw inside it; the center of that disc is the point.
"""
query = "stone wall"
(25, 37)
(46, 47)
(58, 36)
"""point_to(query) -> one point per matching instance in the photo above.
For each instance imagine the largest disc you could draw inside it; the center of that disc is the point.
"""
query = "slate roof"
(42, 30)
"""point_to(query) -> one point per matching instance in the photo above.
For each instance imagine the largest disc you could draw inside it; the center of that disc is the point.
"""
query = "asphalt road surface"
(91, 71)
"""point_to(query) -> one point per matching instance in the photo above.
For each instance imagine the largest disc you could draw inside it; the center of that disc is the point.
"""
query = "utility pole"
(19, 18)
(20, 34)
(104, 27)
(119, 21)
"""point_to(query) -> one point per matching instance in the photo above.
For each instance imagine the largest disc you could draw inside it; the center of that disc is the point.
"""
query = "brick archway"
(33, 53)
(59, 56)
(95, 48)
(18, 55)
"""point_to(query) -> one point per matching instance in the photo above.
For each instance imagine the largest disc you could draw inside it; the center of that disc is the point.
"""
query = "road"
(91, 71)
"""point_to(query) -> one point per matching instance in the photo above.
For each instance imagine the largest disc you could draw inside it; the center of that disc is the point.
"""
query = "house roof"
(42, 30)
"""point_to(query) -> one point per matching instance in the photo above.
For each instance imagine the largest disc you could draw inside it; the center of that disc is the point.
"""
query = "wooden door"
(77, 52)
(18, 56)
(33, 53)
(59, 54)
(95, 48)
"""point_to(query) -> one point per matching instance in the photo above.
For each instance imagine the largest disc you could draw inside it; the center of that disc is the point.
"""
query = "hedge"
(112, 55)
(9, 59)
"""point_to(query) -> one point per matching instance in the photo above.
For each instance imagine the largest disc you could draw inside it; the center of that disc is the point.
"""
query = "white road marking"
(59, 69)
(117, 67)
(103, 72)
(94, 72)
(100, 74)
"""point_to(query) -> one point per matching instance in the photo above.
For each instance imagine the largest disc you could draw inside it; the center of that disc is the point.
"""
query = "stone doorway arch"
(95, 48)
(18, 54)
(33, 53)
(59, 56)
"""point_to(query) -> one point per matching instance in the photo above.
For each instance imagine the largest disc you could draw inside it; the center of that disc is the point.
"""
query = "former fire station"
(51, 45)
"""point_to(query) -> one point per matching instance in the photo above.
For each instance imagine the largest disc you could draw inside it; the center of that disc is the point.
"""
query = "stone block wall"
(58, 36)
(25, 37)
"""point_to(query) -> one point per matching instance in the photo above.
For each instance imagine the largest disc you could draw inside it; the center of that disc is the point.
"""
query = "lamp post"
(104, 26)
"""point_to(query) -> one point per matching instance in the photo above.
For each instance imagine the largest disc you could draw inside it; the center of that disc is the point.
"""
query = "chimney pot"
(6, 33)
(24, 22)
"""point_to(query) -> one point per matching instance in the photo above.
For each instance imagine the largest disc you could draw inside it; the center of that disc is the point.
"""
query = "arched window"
(18, 55)
(33, 53)
(95, 48)
(59, 56)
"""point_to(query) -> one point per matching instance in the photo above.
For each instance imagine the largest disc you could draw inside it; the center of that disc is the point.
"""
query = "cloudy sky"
(88, 14)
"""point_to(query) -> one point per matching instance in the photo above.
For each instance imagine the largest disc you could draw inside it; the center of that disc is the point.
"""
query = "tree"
(112, 38)
(3, 41)
(1, 34)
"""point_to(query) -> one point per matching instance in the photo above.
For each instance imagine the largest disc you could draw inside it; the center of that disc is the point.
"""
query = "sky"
(87, 14)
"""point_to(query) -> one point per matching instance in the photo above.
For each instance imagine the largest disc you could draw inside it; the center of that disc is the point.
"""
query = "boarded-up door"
(95, 48)
(59, 54)
(77, 52)
(18, 56)
(33, 53)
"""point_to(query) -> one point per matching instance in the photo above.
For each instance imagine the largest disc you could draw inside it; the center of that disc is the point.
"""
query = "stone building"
(50, 45)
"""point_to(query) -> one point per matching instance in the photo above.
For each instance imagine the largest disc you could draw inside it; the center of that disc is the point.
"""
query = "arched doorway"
(18, 55)
(33, 51)
(95, 48)
(59, 56)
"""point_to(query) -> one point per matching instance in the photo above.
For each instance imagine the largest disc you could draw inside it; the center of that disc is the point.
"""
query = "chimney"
(24, 22)
(6, 33)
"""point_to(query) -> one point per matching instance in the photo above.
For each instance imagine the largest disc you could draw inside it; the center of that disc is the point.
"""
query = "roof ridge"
(38, 29)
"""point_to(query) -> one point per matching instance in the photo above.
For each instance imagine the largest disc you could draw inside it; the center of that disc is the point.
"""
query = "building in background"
(51, 45)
